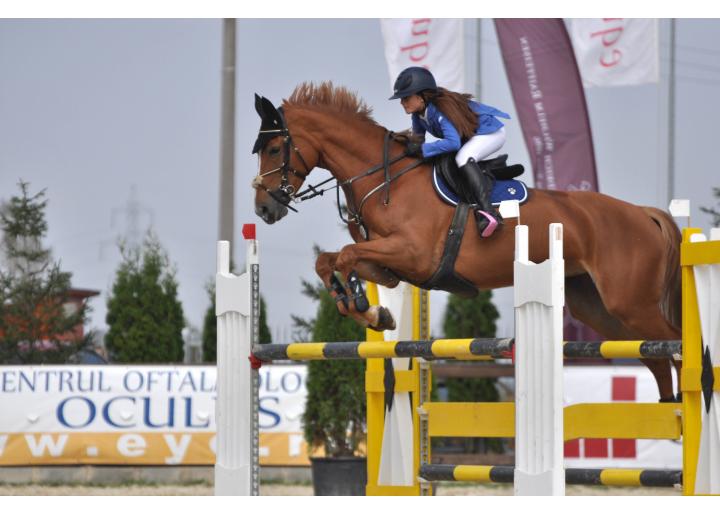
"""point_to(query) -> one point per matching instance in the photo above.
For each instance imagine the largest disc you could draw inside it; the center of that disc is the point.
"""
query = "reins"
(285, 193)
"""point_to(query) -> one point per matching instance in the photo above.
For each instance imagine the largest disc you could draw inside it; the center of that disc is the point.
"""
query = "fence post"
(539, 300)
(237, 310)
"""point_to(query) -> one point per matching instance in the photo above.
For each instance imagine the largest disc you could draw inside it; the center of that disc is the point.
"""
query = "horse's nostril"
(265, 213)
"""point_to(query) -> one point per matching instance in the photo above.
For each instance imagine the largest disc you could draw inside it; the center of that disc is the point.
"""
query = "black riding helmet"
(412, 80)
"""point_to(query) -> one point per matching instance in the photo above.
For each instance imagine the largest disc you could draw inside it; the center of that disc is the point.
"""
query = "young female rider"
(460, 124)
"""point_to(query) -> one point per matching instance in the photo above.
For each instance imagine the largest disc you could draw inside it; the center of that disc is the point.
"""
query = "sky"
(119, 121)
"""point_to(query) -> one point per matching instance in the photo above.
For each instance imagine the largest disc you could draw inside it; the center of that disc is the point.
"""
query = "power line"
(697, 49)
(699, 80)
(684, 78)
(700, 66)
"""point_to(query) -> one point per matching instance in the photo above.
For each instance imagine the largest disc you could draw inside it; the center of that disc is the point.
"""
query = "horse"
(621, 260)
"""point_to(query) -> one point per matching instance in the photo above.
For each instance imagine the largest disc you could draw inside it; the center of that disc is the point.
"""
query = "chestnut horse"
(621, 260)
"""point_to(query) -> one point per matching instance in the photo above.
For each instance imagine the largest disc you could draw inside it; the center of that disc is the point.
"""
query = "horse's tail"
(671, 301)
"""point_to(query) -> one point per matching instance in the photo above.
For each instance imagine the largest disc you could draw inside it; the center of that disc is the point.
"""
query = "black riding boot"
(479, 186)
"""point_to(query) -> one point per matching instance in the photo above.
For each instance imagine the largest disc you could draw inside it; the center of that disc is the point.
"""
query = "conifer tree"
(714, 212)
(334, 415)
(144, 316)
(464, 318)
(36, 325)
(209, 332)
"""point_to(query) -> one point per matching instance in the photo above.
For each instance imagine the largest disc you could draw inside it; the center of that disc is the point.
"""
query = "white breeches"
(481, 146)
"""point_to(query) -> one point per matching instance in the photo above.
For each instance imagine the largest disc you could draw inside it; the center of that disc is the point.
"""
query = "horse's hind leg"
(646, 321)
(585, 304)
(625, 322)
(661, 370)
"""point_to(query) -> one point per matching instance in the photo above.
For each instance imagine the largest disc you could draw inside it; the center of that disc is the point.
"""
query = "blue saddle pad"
(503, 190)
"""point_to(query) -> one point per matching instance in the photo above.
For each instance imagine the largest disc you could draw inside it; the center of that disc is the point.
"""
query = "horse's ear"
(259, 105)
(271, 112)
(270, 122)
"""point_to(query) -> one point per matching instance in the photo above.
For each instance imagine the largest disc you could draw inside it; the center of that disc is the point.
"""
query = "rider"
(460, 124)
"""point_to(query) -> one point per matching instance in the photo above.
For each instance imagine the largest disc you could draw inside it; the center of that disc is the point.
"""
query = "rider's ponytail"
(455, 107)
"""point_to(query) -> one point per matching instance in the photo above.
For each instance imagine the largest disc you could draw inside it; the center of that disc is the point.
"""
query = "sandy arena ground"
(302, 490)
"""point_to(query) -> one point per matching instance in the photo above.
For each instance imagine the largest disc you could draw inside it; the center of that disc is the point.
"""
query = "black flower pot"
(339, 476)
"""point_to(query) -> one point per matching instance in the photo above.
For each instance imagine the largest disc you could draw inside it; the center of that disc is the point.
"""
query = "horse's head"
(282, 167)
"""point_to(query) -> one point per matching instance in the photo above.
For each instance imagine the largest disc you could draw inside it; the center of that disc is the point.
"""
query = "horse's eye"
(274, 151)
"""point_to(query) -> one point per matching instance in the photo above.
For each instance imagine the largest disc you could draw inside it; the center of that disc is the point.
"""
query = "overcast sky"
(90, 109)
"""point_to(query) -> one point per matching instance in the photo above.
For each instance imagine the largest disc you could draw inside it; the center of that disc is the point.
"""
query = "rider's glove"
(414, 149)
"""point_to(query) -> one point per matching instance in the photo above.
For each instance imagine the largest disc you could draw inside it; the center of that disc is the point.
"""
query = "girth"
(445, 278)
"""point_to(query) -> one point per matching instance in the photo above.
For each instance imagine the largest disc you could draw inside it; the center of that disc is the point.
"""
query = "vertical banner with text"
(433, 43)
(550, 101)
(616, 51)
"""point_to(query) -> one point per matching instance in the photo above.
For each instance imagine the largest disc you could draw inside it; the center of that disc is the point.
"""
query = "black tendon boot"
(479, 186)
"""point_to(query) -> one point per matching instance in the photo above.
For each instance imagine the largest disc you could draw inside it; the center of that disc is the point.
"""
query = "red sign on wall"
(624, 389)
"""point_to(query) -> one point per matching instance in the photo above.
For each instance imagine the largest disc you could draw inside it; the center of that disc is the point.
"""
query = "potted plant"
(334, 418)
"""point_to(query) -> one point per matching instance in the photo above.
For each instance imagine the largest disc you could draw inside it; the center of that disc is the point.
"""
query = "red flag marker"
(248, 231)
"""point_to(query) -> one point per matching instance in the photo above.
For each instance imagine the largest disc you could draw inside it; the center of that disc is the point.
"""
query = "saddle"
(446, 166)
(445, 277)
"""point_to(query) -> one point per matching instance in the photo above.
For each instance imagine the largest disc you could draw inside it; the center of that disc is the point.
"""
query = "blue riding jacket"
(442, 128)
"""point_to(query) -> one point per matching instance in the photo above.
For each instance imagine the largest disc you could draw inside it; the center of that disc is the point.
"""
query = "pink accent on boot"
(492, 224)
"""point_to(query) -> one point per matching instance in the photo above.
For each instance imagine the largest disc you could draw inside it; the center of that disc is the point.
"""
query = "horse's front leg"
(346, 304)
(376, 254)
(325, 268)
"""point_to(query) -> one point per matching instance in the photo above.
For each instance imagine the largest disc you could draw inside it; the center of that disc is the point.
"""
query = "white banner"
(616, 51)
(433, 43)
(138, 415)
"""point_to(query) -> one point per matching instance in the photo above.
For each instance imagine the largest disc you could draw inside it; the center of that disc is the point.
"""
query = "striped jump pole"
(486, 349)
(671, 349)
(604, 477)
(461, 349)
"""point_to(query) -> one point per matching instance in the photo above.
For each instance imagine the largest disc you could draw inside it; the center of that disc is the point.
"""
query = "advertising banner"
(137, 415)
(433, 43)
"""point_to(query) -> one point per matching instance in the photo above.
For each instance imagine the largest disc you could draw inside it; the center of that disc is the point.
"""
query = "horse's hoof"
(361, 303)
(385, 320)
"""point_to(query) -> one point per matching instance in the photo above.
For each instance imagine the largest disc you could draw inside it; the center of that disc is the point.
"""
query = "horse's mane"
(326, 96)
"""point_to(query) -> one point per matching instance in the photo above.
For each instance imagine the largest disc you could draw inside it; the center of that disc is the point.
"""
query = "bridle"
(286, 193)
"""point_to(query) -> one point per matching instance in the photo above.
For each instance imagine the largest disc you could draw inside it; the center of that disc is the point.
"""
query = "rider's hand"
(414, 149)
